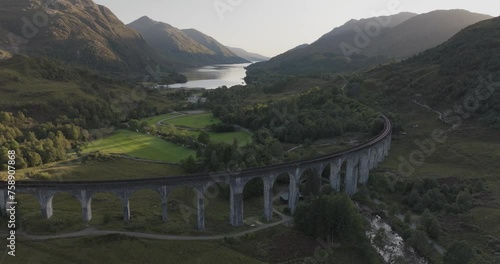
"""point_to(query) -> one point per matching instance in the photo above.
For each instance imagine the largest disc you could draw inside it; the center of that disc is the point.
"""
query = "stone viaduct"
(348, 168)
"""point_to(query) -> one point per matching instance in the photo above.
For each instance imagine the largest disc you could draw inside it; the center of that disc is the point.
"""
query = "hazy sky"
(270, 27)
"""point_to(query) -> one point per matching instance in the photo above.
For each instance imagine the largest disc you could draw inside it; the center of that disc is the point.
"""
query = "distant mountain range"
(249, 56)
(367, 42)
(188, 45)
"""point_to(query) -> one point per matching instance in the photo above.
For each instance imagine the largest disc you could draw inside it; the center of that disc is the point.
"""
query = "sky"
(271, 27)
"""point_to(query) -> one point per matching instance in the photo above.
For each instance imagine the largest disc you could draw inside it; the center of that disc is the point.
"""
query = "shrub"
(41, 176)
(464, 201)
(430, 224)
(458, 253)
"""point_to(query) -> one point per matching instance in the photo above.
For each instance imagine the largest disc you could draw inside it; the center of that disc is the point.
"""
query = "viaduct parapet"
(348, 168)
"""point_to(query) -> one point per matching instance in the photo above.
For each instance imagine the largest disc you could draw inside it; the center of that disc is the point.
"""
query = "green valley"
(123, 141)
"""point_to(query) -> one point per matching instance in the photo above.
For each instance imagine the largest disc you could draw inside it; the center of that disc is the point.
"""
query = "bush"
(464, 201)
(458, 253)
(420, 242)
(406, 233)
(430, 224)
(41, 176)
(479, 186)
(107, 218)
(452, 208)
(362, 196)
(407, 217)
(230, 241)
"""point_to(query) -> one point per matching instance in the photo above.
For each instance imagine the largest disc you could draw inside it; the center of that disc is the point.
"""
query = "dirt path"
(91, 231)
(160, 123)
(440, 114)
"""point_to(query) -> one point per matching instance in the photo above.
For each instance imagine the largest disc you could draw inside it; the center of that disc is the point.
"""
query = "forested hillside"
(443, 80)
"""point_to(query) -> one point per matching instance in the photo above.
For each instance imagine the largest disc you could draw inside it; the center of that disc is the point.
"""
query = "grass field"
(116, 249)
(194, 121)
(112, 168)
(243, 137)
(276, 245)
(198, 121)
(141, 146)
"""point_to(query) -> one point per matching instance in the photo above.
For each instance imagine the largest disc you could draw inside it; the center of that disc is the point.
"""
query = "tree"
(204, 138)
(254, 188)
(479, 186)
(381, 239)
(332, 216)
(134, 124)
(420, 242)
(189, 165)
(458, 253)
(34, 159)
(276, 150)
(430, 224)
(6, 117)
(408, 217)
(464, 201)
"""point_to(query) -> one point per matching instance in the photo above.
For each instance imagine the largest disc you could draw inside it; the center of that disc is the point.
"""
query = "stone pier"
(200, 197)
(358, 161)
(236, 202)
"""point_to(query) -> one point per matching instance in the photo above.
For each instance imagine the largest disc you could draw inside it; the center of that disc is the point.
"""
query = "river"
(395, 246)
(214, 76)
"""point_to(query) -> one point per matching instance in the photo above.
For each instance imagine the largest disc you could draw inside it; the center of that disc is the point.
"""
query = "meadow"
(194, 121)
(242, 137)
(139, 145)
(155, 119)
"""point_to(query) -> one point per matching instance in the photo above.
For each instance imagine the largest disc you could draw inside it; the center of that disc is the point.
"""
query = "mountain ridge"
(249, 56)
(337, 51)
(188, 45)
(80, 32)
(439, 78)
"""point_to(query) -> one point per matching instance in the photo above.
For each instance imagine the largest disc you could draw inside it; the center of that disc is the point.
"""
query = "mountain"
(189, 45)
(461, 75)
(422, 32)
(325, 54)
(221, 51)
(79, 32)
(351, 46)
(249, 56)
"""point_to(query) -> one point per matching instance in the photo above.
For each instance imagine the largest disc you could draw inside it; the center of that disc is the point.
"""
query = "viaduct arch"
(358, 162)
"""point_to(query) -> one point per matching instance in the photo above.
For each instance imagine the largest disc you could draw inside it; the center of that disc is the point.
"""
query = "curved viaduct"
(358, 161)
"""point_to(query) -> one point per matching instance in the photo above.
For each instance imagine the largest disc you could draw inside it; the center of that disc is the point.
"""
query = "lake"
(214, 76)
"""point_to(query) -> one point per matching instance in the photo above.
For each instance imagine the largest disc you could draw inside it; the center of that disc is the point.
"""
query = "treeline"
(334, 216)
(435, 201)
(429, 194)
(214, 157)
(167, 132)
(36, 143)
(315, 114)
